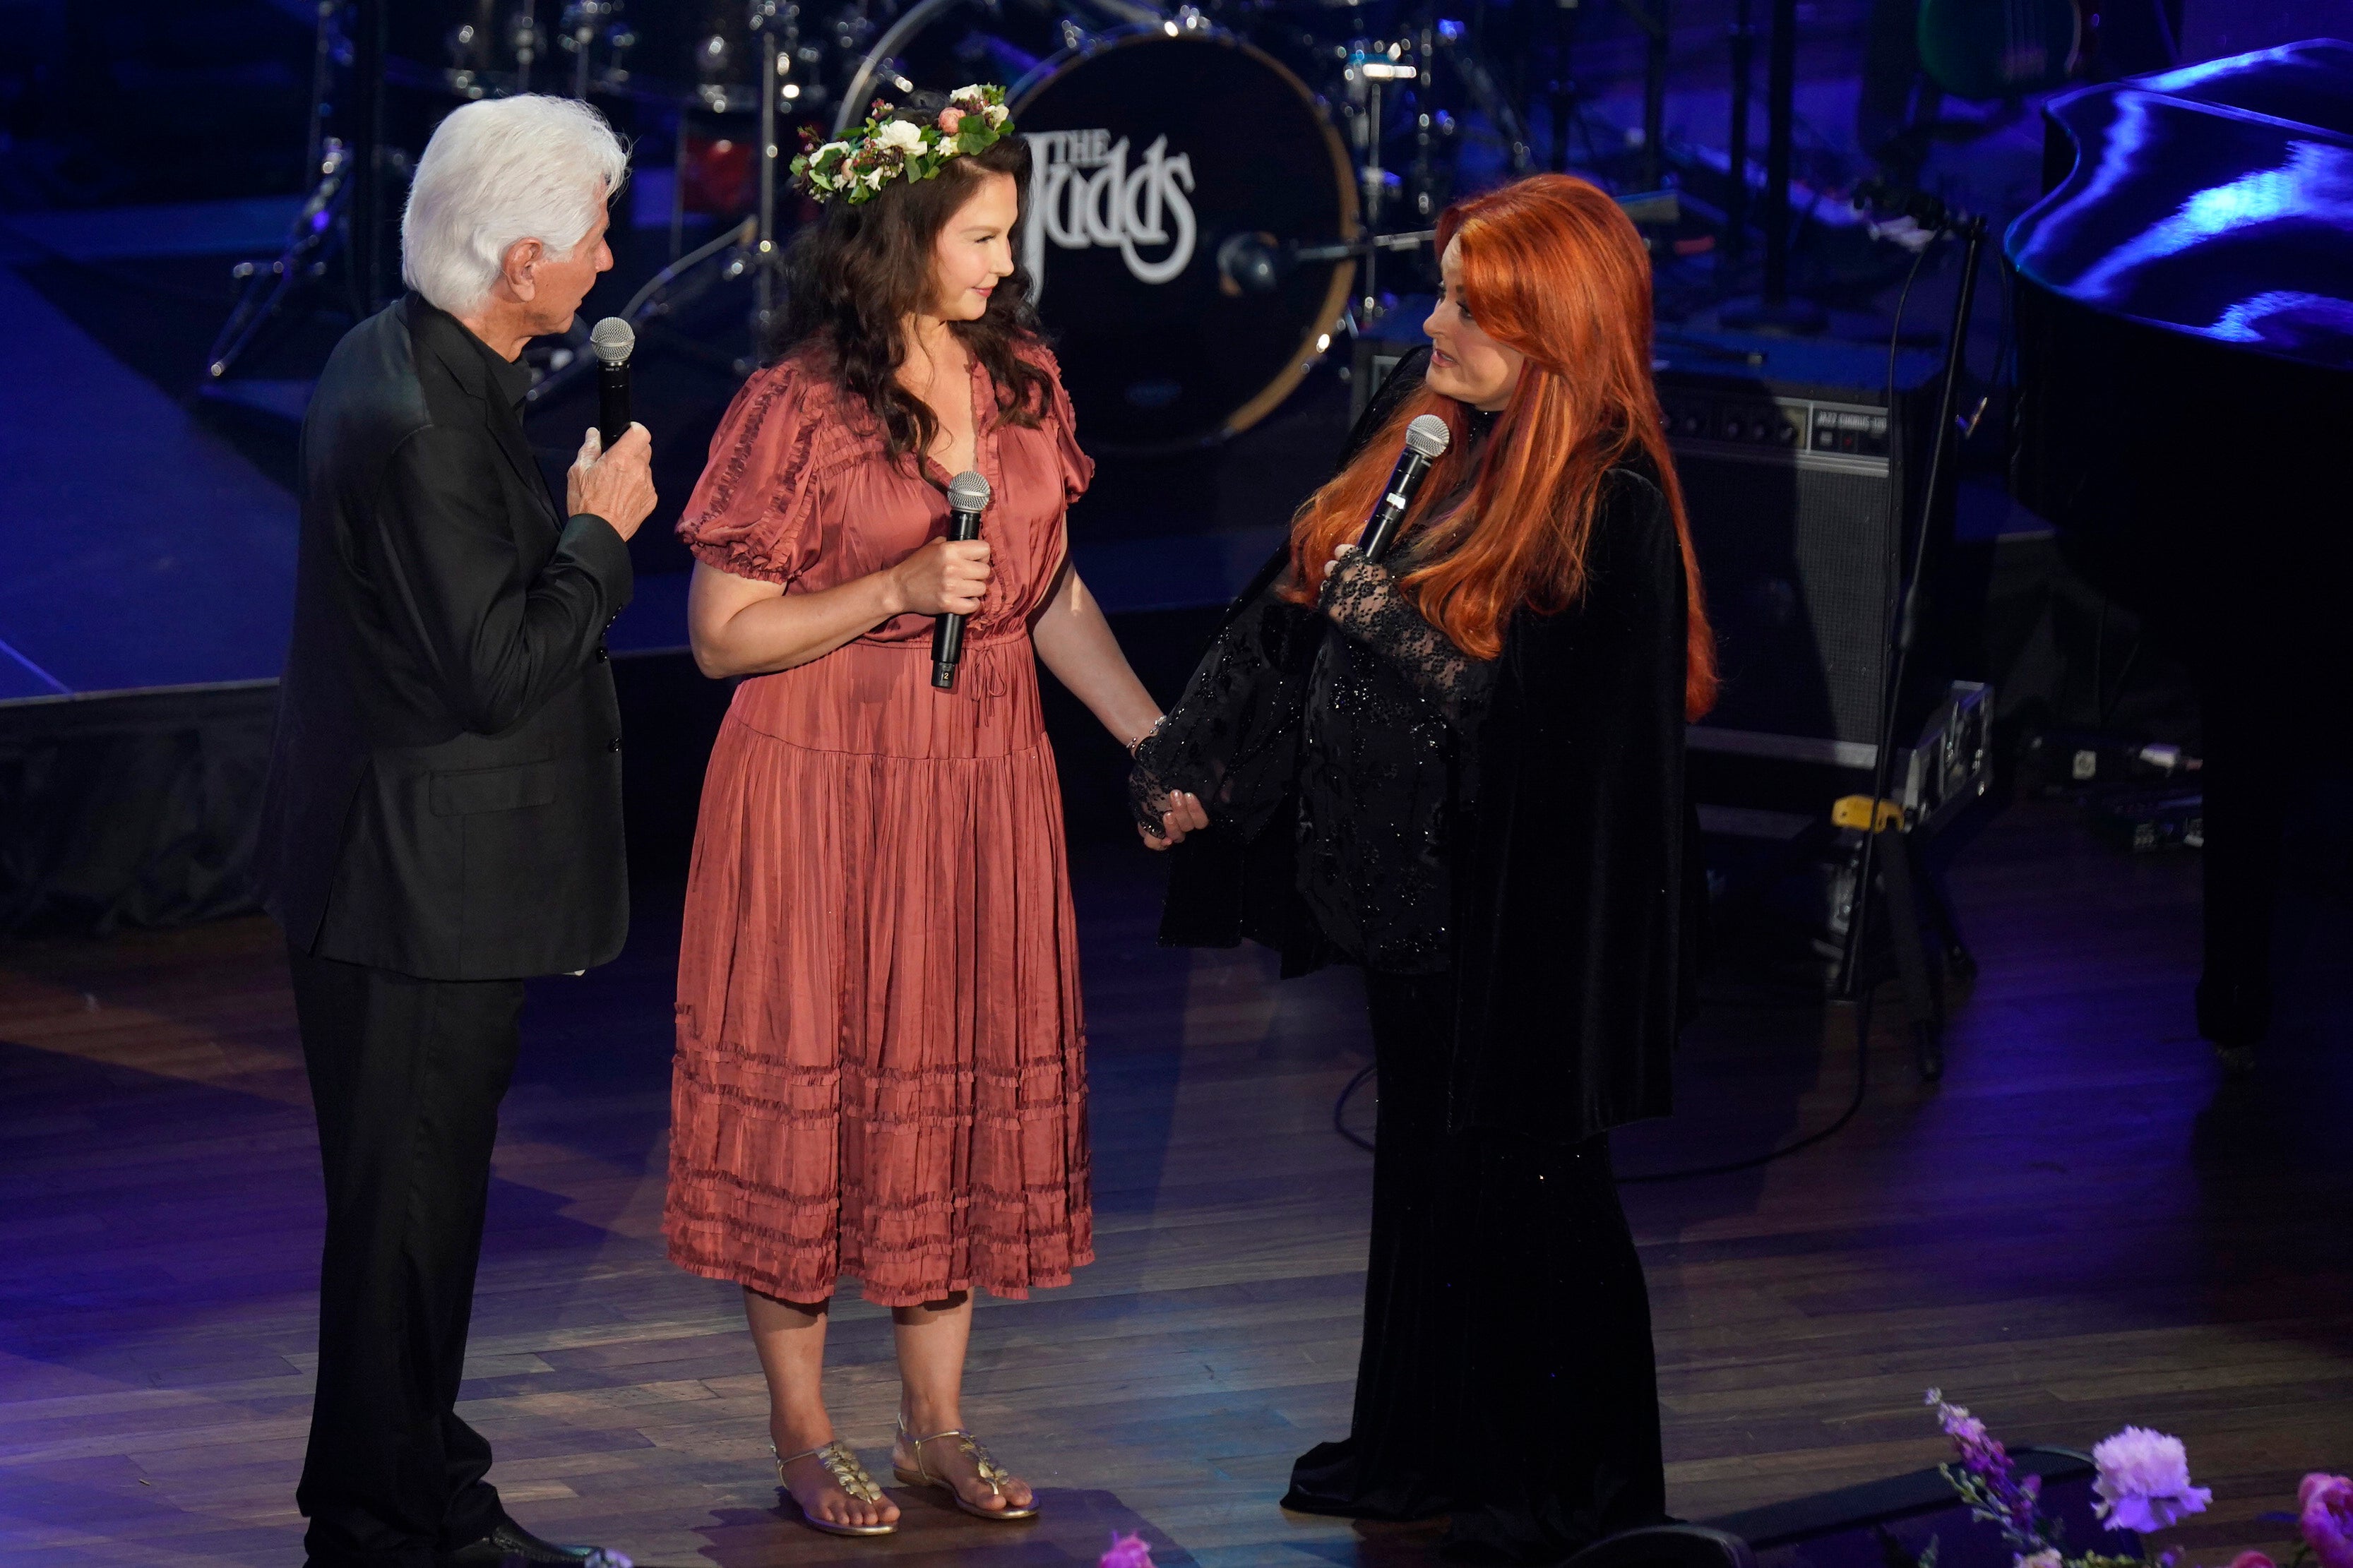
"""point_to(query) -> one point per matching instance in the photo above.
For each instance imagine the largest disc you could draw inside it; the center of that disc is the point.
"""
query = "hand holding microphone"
(612, 476)
(1426, 440)
(967, 498)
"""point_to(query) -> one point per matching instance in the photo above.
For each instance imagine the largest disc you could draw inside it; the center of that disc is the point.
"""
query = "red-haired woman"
(1461, 767)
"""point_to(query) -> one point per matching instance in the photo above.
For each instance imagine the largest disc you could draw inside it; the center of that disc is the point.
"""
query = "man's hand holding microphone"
(612, 475)
(618, 485)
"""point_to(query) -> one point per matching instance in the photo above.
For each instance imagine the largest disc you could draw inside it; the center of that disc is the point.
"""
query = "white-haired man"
(444, 809)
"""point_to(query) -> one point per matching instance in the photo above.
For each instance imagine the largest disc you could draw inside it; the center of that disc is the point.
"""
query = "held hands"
(1163, 815)
(1184, 815)
(945, 577)
(618, 485)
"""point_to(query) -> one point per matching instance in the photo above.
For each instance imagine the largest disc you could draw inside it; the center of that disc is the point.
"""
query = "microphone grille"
(968, 492)
(612, 340)
(1429, 435)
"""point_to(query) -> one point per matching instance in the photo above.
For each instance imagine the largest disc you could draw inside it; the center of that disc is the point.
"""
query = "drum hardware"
(1651, 17)
(527, 42)
(330, 48)
(312, 241)
(1742, 37)
(349, 191)
(1256, 263)
(468, 74)
(585, 25)
(1155, 232)
(1776, 310)
(721, 261)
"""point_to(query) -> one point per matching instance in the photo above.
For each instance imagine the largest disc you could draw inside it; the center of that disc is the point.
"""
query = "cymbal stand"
(1777, 310)
(1373, 70)
(321, 233)
(1563, 87)
(775, 23)
(1741, 38)
(1652, 17)
(749, 246)
(527, 40)
(322, 78)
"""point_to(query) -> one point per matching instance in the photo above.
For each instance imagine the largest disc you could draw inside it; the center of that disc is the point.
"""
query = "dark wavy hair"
(854, 275)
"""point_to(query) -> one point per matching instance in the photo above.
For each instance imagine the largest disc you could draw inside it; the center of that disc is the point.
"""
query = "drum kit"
(1213, 193)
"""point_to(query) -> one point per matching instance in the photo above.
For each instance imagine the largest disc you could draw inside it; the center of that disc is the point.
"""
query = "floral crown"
(888, 148)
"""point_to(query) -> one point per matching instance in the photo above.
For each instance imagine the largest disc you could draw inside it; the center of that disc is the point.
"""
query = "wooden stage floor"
(2082, 1225)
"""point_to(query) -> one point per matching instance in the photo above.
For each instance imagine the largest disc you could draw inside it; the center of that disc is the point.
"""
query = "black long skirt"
(1507, 1378)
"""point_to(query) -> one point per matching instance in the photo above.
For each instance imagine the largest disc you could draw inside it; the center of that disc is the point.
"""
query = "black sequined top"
(1385, 762)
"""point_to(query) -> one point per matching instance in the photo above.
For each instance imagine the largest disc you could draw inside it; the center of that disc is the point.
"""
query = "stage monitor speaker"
(1793, 457)
(1896, 1520)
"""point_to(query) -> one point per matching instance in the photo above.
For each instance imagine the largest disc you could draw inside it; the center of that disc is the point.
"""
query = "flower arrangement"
(2143, 1485)
(1127, 1551)
(887, 148)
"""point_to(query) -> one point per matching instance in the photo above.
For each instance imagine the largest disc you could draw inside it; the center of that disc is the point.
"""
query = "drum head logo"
(1083, 194)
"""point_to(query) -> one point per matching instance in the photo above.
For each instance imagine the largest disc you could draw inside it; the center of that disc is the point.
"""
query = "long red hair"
(1553, 267)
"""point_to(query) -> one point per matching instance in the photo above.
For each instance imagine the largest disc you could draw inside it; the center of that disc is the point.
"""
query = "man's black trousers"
(406, 1076)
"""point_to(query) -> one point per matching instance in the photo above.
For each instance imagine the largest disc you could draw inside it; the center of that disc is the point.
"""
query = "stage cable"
(1862, 1002)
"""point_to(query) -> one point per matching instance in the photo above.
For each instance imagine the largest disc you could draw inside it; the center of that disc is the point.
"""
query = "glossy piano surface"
(2215, 201)
(2184, 316)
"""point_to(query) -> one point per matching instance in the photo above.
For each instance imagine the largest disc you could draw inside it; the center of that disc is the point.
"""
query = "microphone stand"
(1894, 869)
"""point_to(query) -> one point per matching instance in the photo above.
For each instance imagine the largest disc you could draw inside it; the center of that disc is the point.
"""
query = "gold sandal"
(848, 1474)
(995, 1474)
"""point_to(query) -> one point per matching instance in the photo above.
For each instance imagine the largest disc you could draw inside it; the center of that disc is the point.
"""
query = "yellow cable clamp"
(1855, 811)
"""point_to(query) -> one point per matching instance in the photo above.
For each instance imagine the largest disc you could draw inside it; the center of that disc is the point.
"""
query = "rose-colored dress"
(881, 1061)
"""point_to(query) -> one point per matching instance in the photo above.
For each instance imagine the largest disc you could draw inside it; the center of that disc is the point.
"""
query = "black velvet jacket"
(1574, 917)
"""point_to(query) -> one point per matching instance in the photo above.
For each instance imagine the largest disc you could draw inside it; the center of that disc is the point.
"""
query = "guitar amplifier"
(1794, 458)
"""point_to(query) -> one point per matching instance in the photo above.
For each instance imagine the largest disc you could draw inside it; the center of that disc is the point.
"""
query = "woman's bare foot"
(956, 1460)
(814, 1486)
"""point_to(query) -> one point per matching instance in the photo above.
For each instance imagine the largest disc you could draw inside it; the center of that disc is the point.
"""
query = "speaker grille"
(1795, 562)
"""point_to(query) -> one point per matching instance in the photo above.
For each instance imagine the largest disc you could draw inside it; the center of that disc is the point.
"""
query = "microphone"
(611, 343)
(967, 498)
(1426, 440)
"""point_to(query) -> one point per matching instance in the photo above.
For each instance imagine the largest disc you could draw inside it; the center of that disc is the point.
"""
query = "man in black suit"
(444, 810)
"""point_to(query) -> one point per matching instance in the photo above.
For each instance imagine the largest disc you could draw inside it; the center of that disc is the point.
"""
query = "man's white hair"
(499, 171)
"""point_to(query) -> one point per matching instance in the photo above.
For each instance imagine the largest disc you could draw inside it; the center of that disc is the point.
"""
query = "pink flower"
(2326, 1504)
(1127, 1551)
(2252, 1560)
(949, 119)
(2144, 1482)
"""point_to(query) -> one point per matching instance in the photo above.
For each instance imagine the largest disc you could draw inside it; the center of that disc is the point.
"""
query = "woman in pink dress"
(881, 1068)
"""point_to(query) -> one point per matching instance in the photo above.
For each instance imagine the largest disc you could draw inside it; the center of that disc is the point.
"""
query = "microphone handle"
(612, 402)
(1380, 532)
(948, 632)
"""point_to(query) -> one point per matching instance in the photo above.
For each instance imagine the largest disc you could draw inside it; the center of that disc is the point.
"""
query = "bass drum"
(1149, 152)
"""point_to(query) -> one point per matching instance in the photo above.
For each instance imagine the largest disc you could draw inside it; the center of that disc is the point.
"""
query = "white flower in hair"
(874, 178)
(995, 114)
(974, 91)
(903, 135)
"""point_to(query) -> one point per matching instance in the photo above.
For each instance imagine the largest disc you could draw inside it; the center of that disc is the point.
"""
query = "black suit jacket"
(445, 784)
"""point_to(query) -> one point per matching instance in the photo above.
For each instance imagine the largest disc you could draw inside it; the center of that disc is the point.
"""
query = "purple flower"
(2252, 1560)
(2325, 1503)
(2144, 1482)
(1127, 1551)
(1994, 1489)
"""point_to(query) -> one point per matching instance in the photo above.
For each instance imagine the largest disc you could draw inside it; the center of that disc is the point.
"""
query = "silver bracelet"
(1137, 744)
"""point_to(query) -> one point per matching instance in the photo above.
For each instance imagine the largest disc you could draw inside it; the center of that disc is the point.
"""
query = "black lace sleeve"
(1361, 598)
(1233, 739)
